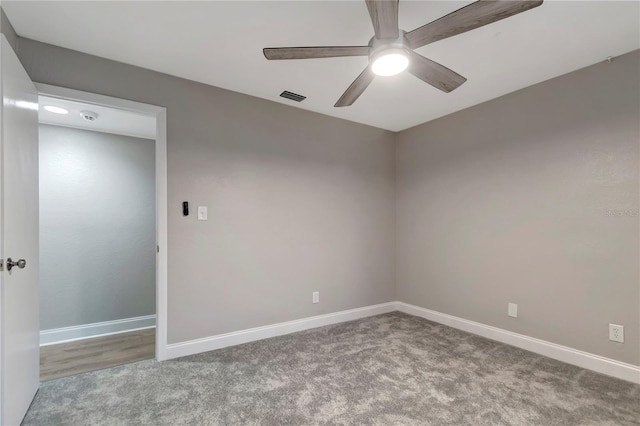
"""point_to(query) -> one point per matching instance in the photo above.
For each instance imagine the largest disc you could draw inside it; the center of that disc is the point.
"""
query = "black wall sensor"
(185, 208)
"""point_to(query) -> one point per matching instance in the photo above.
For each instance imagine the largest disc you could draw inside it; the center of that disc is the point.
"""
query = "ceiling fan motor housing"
(383, 46)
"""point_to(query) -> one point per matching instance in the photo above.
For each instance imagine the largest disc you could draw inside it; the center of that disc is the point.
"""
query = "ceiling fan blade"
(273, 53)
(435, 74)
(357, 87)
(470, 17)
(384, 16)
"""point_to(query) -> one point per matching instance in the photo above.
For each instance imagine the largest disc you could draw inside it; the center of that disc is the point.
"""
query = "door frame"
(160, 114)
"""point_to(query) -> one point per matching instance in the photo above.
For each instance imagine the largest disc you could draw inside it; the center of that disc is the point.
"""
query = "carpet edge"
(589, 361)
(191, 347)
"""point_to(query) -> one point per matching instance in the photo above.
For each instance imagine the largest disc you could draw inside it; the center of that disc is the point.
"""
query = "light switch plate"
(202, 213)
(512, 310)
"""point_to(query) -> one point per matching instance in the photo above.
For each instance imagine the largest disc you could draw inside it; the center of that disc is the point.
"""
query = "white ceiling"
(110, 120)
(220, 43)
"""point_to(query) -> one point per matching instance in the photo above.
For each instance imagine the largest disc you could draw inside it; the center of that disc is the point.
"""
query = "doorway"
(102, 232)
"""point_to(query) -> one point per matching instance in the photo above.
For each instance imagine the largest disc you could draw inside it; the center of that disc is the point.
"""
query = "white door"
(20, 318)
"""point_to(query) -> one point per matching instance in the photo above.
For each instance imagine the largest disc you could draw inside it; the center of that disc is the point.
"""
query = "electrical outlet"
(512, 310)
(316, 297)
(616, 333)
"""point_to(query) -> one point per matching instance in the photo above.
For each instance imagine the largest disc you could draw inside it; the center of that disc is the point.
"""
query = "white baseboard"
(86, 331)
(191, 347)
(572, 356)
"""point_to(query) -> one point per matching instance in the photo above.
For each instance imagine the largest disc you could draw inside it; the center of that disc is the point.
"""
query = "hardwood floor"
(67, 359)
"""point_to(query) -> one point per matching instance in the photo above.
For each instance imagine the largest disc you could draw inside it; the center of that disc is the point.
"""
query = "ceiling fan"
(391, 50)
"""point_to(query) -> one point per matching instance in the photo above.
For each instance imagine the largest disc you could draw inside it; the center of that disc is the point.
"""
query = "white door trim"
(161, 190)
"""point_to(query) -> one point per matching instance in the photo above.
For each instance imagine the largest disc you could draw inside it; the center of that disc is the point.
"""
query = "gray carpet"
(392, 369)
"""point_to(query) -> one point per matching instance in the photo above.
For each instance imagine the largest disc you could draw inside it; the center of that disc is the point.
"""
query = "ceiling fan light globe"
(390, 62)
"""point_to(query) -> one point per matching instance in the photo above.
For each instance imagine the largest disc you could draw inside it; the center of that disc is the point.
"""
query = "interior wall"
(7, 29)
(298, 202)
(97, 227)
(531, 198)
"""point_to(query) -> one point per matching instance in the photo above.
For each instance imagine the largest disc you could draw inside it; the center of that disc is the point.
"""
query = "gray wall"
(522, 199)
(97, 227)
(531, 198)
(7, 29)
(297, 201)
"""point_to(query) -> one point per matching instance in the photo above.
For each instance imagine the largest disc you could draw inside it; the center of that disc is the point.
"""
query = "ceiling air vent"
(293, 96)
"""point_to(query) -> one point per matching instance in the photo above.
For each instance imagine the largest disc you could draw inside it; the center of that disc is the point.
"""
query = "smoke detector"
(89, 115)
